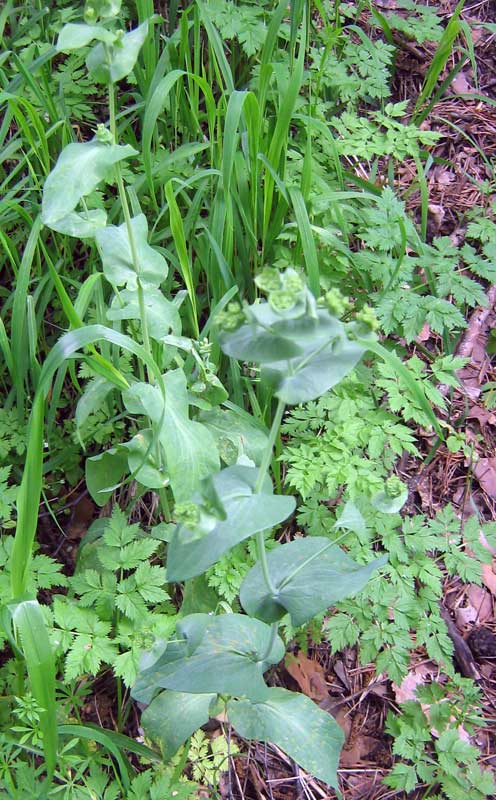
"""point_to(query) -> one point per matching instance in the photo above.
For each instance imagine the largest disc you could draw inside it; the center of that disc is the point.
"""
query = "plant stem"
(127, 219)
(264, 467)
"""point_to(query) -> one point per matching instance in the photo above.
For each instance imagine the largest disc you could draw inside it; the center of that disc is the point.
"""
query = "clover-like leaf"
(78, 171)
(309, 575)
(246, 513)
(295, 724)
(117, 255)
(230, 657)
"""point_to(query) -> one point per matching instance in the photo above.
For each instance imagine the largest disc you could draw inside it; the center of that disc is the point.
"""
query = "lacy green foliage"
(85, 772)
(245, 23)
(209, 757)
(361, 71)
(443, 759)
(421, 21)
(381, 133)
(8, 495)
(116, 608)
(401, 610)
(342, 440)
(12, 436)
(400, 399)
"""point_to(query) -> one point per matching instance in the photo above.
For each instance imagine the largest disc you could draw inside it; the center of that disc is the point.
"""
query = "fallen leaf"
(481, 600)
(485, 472)
(489, 576)
(461, 85)
(483, 415)
(309, 675)
(416, 677)
(362, 747)
(465, 615)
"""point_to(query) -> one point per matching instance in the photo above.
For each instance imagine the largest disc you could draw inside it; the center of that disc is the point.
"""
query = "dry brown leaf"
(489, 576)
(483, 415)
(362, 746)
(481, 600)
(461, 85)
(309, 675)
(416, 677)
(465, 615)
(485, 472)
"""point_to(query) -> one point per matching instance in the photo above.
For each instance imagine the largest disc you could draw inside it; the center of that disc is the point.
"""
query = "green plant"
(432, 739)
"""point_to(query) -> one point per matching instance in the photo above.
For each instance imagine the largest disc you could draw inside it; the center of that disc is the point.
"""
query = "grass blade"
(30, 625)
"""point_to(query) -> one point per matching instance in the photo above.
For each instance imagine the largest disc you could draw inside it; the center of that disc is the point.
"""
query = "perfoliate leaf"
(389, 505)
(142, 460)
(295, 724)
(309, 576)
(172, 717)
(84, 225)
(73, 36)
(103, 472)
(162, 316)
(189, 446)
(227, 655)
(117, 258)
(78, 171)
(122, 56)
(246, 513)
(303, 351)
(230, 426)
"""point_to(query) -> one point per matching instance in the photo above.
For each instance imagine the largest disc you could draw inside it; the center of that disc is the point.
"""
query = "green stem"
(264, 467)
(127, 219)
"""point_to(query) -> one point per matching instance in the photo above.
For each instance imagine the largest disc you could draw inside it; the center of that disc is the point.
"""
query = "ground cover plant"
(236, 344)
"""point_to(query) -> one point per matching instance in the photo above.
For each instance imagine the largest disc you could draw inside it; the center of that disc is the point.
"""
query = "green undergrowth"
(210, 285)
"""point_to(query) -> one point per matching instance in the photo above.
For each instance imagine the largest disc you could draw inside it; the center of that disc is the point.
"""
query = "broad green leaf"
(105, 9)
(352, 520)
(30, 623)
(142, 461)
(117, 257)
(234, 430)
(105, 471)
(303, 379)
(172, 717)
(162, 316)
(198, 597)
(190, 449)
(309, 576)
(253, 343)
(83, 225)
(304, 351)
(230, 658)
(190, 632)
(246, 514)
(122, 56)
(295, 724)
(389, 505)
(73, 36)
(79, 169)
